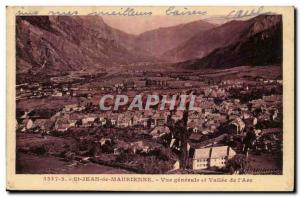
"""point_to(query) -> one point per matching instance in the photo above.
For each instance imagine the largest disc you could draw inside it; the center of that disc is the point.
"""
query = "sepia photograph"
(126, 91)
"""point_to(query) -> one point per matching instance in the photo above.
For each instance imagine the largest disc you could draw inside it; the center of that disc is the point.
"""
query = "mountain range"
(257, 41)
(54, 44)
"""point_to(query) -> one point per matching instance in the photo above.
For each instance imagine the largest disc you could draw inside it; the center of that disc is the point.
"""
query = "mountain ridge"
(260, 43)
(58, 44)
(158, 41)
(62, 43)
(202, 44)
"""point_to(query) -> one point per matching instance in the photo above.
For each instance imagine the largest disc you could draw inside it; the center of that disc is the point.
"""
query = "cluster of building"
(217, 110)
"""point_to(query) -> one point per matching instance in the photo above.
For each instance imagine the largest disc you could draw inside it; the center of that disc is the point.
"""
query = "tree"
(237, 164)
(249, 140)
(108, 123)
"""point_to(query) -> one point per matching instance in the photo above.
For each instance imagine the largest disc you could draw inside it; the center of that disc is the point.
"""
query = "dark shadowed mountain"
(257, 41)
(206, 42)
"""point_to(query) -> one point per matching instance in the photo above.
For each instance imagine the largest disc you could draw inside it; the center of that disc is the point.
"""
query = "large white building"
(212, 157)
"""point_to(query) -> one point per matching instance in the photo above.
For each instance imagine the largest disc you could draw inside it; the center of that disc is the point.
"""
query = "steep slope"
(263, 48)
(62, 43)
(156, 42)
(204, 43)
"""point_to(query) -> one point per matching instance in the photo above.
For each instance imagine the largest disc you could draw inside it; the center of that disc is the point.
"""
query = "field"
(31, 160)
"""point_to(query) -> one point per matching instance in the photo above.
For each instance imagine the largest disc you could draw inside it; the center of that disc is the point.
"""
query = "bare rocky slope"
(62, 43)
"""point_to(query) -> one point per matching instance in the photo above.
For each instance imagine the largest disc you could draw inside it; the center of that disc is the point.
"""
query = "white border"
(102, 2)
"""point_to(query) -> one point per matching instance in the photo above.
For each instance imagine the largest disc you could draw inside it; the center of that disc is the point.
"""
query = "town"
(235, 127)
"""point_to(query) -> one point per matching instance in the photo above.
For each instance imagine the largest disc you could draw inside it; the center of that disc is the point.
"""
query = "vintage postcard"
(150, 98)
